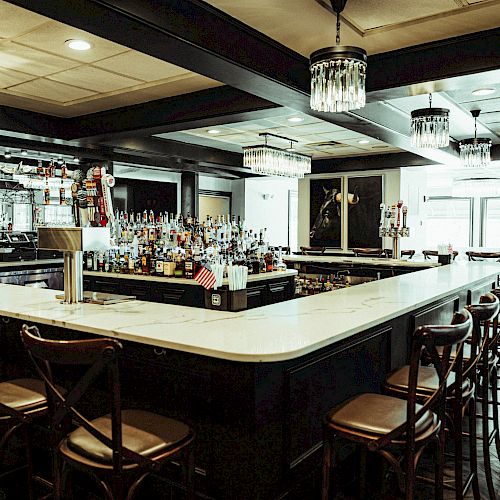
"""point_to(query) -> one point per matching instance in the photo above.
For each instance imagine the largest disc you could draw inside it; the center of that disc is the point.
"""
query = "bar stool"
(460, 391)
(312, 250)
(366, 252)
(483, 255)
(404, 253)
(118, 450)
(488, 379)
(21, 402)
(383, 423)
(433, 253)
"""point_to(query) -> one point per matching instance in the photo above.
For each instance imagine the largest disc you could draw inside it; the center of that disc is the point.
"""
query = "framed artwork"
(325, 228)
(365, 197)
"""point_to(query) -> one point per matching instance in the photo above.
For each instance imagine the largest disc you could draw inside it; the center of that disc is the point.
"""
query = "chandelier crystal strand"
(268, 160)
(430, 127)
(338, 75)
(475, 152)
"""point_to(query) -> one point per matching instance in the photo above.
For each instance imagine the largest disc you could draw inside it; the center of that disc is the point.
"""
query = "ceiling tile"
(140, 66)
(14, 20)
(31, 61)
(51, 37)
(95, 79)
(315, 128)
(10, 77)
(54, 91)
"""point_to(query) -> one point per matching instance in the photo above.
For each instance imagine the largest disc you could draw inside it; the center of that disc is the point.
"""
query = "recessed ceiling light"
(7, 154)
(363, 141)
(78, 44)
(24, 152)
(483, 91)
(60, 161)
(295, 119)
(76, 160)
(213, 131)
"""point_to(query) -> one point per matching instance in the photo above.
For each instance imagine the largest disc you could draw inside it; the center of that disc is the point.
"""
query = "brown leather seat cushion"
(143, 432)
(376, 414)
(23, 394)
(428, 380)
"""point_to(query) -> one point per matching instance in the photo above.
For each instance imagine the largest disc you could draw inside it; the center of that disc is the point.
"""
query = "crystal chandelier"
(430, 127)
(338, 74)
(269, 160)
(475, 152)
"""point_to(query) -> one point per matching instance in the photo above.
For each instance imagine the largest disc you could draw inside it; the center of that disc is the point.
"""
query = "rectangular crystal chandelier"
(269, 160)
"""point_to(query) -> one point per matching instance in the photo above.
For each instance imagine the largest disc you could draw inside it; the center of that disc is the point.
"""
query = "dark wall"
(138, 195)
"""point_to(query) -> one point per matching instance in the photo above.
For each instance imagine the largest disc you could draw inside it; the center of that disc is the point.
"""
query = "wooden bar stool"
(398, 429)
(460, 392)
(473, 256)
(433, 253)
(368, 252)
(21, 402)
(118, 449)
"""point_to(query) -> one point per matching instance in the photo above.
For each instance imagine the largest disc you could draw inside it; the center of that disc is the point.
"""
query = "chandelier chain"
(338, 29)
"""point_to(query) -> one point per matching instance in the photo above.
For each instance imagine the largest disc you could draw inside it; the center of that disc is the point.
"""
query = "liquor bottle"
(90, 261)
(46, 192)
(188, 266)
(62, 194)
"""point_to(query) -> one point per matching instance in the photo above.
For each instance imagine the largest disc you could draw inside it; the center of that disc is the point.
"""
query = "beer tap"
(382, 215)
(399, 205)
(405, 213)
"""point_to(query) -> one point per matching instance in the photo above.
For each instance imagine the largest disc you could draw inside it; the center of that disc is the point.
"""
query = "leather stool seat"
(145, 433)
(378, 414)
(427, 382)
(23, 394)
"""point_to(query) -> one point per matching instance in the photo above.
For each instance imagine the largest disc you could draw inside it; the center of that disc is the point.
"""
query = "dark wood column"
(189, 193)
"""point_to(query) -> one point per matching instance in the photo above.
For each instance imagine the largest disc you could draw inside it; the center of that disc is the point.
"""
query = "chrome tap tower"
(390, 225)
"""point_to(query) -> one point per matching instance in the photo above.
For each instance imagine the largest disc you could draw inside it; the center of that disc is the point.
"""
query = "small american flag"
(205, 277)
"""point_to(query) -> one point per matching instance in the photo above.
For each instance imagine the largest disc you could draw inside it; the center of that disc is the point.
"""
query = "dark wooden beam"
(204, 108)
(30, 124)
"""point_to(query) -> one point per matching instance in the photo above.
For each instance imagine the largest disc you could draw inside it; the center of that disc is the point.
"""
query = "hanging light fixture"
(338, 74)
(269, 160)
(481, 186)
(475, 152)
(430, 127)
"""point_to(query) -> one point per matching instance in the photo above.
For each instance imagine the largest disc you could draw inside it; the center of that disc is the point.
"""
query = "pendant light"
(430, 127)
(338, 74)
(475, 152)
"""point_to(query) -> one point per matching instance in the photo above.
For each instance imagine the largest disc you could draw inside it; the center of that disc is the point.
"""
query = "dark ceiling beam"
(368, 162)
(30, 123)
(205, 108)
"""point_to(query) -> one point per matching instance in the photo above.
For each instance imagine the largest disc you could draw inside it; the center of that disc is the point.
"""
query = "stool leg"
(494, 398)
(190, 474)
(327, 462)
(458, 442)
(29, 460)
(473, 448)
(485, 434)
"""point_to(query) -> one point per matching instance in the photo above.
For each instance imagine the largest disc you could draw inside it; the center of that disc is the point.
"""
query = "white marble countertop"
(184, 281)
(271, 333)
(370, 261)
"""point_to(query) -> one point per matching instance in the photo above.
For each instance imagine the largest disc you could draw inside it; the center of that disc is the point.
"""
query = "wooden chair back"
(99, 357)
(482, 255)
(433, 253)
(437, 342)
(312, 250)
(362, 252)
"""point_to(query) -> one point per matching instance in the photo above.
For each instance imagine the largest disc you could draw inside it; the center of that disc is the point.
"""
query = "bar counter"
(352, 260)
(254, 385)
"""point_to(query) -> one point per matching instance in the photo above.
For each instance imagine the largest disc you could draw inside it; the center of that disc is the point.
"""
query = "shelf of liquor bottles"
(157, 257)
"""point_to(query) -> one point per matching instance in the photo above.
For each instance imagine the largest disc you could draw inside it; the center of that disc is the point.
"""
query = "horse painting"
(326, 226)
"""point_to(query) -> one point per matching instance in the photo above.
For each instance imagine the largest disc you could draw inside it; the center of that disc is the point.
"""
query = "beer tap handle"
(400, 204)
(405, 213)
(382, 214)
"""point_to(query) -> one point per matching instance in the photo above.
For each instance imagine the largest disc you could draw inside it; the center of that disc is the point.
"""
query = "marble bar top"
(271, 333)
(366, 261)
(183, 281)
(41, 263)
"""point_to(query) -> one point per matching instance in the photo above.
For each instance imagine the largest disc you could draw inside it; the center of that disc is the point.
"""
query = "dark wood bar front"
(254, 385)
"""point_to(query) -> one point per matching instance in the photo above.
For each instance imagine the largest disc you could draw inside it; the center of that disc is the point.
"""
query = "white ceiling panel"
(31, 61)
(95, 79)
(141, 66)
(9, 77)
(15, 21)
(53, 91)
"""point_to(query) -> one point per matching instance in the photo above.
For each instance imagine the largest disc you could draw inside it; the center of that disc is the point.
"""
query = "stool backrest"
(426, 341)
(377, 252)
(483, 255)
(100, 357)
(433, 253)
(312, 250)
(485, 320)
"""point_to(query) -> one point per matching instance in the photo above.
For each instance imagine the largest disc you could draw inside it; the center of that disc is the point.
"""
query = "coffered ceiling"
(375, 25)
(39, 72)
(151, 84)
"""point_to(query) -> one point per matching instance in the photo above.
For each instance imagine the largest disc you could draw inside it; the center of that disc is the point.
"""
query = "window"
(448, 220)
(491, 222)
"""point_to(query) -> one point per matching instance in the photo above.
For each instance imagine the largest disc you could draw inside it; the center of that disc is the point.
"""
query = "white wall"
(266, 206)
(391, 194)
